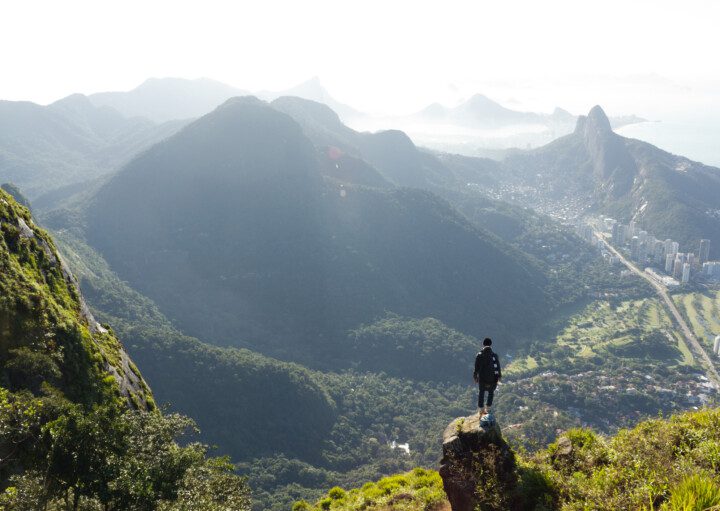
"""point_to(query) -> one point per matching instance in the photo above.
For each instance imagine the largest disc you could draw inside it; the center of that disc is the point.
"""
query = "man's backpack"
(486, 369)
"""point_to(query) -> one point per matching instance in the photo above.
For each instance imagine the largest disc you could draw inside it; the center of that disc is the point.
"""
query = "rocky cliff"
(478, 466)
(47, 333)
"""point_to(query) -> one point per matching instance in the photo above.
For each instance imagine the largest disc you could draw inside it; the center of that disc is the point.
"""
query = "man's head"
(487, 341)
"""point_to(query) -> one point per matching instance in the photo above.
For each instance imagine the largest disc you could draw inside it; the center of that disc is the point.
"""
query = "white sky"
(392, 56)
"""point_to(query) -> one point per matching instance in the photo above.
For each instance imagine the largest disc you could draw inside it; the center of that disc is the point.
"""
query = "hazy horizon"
(381, 59)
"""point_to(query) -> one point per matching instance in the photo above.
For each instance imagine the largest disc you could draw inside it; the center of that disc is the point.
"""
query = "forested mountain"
(391, 152)
(47, 333)
(669, 196)
(79, 428)
(231, 229)
(68, 142)
(273, 230)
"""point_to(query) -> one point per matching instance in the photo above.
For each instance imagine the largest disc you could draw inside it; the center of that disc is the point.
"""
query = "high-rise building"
(677, 268)
(704, 253)
(690, 259)
(686, 273)
(643, 235)
(711, 269)
(618, 234)
(631, 229)
(668, 246)
(675, 247)
(635, 248)
(669, 262)
(659, 253)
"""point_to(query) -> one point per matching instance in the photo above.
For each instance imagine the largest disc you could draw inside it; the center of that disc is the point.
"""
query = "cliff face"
(478, 467)
(47, 333)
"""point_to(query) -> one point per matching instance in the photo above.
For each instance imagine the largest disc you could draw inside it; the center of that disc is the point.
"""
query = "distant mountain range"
(165, 99)
(481, 112)
(234, 228)
(669, 196)
(60, 147)
(71, 141)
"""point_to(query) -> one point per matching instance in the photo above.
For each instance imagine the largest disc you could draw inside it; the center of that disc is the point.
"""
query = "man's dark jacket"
(496, 367)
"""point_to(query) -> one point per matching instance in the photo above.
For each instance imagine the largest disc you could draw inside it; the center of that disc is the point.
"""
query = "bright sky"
(387, 56)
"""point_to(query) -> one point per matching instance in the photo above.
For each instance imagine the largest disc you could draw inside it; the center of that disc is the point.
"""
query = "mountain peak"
(595, 122)
(598, 119)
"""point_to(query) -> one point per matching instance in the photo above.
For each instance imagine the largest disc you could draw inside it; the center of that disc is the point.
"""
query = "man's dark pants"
(490, 389)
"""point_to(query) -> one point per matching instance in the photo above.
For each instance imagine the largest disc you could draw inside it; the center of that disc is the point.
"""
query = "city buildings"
(659, 253)
(704, 252)
(645, 249)
(678, 267)
(686, 273)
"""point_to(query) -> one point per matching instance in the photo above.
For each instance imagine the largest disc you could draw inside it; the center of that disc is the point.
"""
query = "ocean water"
(698, 140)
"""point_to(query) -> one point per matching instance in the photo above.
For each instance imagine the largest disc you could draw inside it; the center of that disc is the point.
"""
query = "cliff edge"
(478, 466)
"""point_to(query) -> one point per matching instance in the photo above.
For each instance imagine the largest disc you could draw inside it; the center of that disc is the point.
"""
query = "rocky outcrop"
(477, 467)
(116, 361)
(613, 166)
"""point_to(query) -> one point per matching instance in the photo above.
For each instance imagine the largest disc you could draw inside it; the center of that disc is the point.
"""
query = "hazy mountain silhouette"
(390, 152)
(69, 141)
(481, 112)
(313, 90)
(164, 99)
(231, 228)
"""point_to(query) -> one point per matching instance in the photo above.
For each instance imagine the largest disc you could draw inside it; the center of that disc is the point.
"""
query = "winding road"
(694, 345)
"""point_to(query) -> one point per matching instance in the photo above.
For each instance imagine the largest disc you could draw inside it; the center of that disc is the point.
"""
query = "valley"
(314, 296)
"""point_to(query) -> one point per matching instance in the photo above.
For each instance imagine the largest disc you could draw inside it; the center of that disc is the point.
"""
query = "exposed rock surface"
(478, 466)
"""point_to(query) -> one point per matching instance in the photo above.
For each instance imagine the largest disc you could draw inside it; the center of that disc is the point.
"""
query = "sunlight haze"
(380, 57)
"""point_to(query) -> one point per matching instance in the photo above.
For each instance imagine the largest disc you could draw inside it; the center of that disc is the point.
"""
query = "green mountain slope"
(67, 142)
(667, 195)
(252, 406)
(391, 152)
(46, 331)
(231, 229)
(78, 424)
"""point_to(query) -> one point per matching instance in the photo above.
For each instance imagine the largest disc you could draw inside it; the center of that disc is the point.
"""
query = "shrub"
(336, 493)
(695, 493)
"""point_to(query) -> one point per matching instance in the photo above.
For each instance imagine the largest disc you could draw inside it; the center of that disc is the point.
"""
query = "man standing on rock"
(487, 375)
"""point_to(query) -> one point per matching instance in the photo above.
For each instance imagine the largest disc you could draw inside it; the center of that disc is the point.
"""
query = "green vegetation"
(294, 451)
(48, 148)
(572, 269)
(702, 312)
(60, 456)
(45, 335)
(16, 194)
(295, 268)
(419, 489)
(420, 349)
(233, 232)
(78, 425)
(659, 465)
